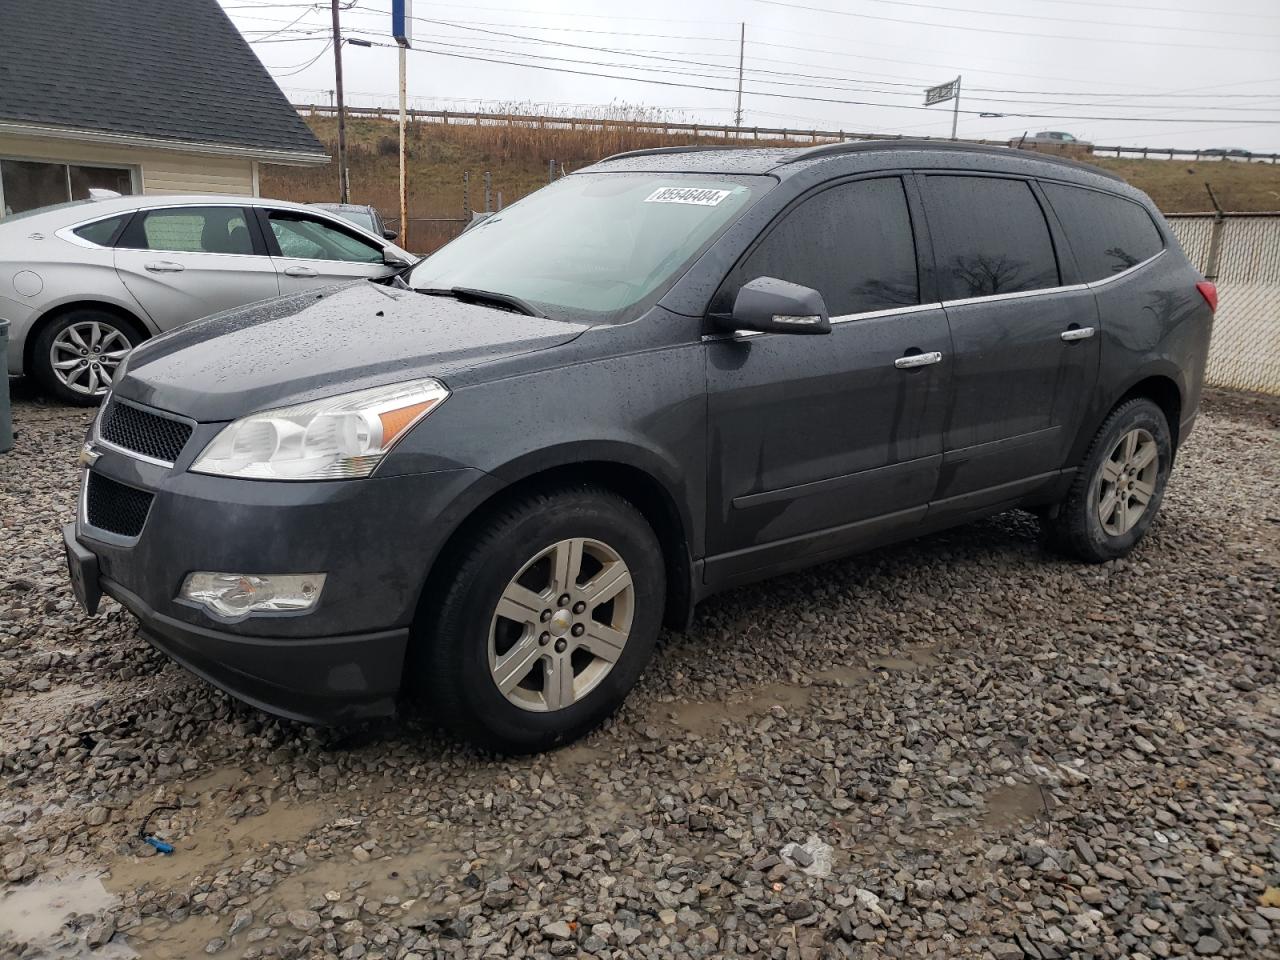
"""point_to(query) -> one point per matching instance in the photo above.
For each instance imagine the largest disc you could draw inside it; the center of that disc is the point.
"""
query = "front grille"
(146, 433)
(116, 508)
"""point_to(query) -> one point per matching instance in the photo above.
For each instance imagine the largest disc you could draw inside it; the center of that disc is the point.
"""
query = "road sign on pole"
(942, 93)
(402, 21)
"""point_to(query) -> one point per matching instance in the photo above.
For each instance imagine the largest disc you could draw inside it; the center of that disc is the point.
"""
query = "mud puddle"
(707, 716)
(203, 843)
(913, 658)
(36, 913)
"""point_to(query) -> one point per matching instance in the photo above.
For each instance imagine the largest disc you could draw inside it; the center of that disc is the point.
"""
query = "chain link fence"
(1240, 252)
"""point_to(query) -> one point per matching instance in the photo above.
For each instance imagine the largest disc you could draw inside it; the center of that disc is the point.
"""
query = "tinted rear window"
(1107, 234)
(989, 237)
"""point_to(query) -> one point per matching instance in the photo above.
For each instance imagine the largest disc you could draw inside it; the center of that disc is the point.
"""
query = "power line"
(686, 62)
(781, 96)
(1007, 33)
(1035, 16)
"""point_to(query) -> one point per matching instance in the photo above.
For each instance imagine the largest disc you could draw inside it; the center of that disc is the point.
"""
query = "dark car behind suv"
(490, 481)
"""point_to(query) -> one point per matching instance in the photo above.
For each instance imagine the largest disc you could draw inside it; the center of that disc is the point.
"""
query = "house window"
(27, 184)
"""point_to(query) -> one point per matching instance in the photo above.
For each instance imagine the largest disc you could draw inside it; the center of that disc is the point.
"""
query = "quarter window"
(103, 232)
(1107, 233)
(989, 236)
(190, 230)
(308, 238)
(852, 243)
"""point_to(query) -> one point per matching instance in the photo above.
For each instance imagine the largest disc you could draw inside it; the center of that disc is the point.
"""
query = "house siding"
(157, 171)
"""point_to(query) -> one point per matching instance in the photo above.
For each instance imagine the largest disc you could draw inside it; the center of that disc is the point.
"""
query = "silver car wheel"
(561, 624)
(1128, 482)
(85, 355)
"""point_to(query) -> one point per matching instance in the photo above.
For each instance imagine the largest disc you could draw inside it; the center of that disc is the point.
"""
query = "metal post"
(6, 414)
(466, 194)
(551, 170)
(742, 43)
(488, 192)
(342, 127)
(404, 183)
(955, 110)
(1215, 238)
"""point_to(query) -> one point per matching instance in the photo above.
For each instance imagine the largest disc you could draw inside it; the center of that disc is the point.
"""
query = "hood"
(321, 343)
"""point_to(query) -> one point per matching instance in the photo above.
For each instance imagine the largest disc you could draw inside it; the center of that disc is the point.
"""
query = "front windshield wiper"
(488, 298)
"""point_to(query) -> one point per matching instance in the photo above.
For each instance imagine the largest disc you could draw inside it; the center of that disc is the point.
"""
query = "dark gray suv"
(490, 480)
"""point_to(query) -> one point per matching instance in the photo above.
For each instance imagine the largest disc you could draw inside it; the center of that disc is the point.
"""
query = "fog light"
(241, 594)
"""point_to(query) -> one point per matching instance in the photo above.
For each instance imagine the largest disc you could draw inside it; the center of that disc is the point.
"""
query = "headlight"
(337, 438)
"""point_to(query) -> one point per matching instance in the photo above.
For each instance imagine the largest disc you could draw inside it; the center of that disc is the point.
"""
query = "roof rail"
(960, 146)
(686, 148)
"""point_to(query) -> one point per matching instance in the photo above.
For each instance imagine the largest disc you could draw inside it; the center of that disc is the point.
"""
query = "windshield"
(593, 244)
(360, 218)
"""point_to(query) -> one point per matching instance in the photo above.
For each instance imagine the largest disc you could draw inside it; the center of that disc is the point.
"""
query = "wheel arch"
(1161, 384)
(640, 486)
(53, 313)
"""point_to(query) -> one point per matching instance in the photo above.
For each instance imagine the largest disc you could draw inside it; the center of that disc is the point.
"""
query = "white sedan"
(84, 282)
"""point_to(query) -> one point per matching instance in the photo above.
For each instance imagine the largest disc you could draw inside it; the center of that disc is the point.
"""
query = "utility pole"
(955, 111)
(342, 126)
(742, 43)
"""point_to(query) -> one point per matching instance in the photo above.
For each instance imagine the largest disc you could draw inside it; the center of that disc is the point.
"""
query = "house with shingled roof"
(144, 96)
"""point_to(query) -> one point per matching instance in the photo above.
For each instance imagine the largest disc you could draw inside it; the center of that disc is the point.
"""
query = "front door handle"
(917, 360)
(300, 272)
(1077, 333)
(164, 266)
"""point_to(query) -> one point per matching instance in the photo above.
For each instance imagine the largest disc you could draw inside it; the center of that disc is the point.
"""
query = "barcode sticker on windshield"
(698, 196)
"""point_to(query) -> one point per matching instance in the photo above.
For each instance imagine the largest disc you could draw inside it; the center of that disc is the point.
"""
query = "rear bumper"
(322, 680)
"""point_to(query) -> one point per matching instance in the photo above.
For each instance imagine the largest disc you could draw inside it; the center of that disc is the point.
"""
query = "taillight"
(1210, 294)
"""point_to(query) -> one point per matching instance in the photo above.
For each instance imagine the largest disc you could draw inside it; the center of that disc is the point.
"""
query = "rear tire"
(75, 356)
(550, 618)
(1119, 487)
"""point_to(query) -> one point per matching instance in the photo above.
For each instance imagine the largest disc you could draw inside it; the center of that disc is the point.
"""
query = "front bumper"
(374, 539)
(320, 680)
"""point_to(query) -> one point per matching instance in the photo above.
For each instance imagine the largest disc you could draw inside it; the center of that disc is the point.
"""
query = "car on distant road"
(82, 283)
(1053, 138)
(488, 481)
(362, 215)
(1227, 153)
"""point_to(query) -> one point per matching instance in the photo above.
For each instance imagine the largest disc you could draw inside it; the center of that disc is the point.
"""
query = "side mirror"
(769, 305)
(394, 259)
(389, 234)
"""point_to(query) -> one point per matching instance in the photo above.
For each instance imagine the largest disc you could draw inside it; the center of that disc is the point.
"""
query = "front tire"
(76, 356)
(550, 618)
(1120, 485)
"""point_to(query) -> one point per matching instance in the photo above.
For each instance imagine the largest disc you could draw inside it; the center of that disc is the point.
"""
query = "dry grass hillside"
(517, 159)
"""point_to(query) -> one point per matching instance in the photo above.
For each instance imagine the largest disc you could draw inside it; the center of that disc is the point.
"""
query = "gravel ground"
(962, 746)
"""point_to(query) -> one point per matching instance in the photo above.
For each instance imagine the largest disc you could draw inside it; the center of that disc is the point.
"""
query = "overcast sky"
(1154, 63)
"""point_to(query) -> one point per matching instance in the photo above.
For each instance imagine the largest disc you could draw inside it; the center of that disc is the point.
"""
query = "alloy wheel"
(561, 624)
(1128, 482)
(84, 357)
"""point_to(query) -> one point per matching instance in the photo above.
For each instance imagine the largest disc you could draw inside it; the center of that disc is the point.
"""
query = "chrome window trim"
(96, 435)
(842, 318)
(1094, 284)
(69, 233)
(887, 312)
(1090, 285)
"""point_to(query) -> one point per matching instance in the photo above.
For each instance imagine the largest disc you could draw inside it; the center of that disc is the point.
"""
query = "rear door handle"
(164, 266)
(917, 360)
(300, 272)
(1077, 333)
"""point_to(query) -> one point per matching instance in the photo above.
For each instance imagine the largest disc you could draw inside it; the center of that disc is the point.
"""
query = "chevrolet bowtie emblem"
(88, 455)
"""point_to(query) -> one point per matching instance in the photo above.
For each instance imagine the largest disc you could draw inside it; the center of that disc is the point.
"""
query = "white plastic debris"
(812, 857)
